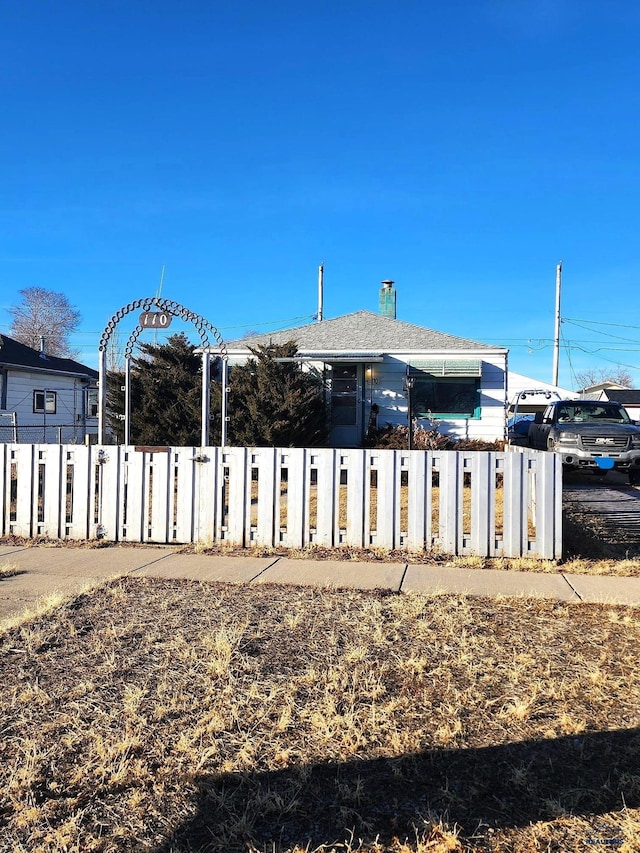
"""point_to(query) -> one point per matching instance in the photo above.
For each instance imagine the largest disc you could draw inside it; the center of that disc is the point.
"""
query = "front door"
(346, 416)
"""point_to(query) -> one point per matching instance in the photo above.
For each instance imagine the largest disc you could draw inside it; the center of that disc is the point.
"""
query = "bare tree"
(115, 353)
(594, 376)
(45, 314)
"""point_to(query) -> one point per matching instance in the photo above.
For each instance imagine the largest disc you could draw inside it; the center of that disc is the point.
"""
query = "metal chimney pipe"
(320, 291)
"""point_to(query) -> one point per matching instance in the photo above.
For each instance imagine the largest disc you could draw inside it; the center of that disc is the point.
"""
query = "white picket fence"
(476, 503)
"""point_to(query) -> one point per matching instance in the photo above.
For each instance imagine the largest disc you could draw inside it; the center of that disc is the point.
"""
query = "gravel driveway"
(609, 506)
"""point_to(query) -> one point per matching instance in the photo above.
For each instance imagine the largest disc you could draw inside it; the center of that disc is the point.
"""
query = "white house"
(45, 399)
(373, 364)
(591, 392)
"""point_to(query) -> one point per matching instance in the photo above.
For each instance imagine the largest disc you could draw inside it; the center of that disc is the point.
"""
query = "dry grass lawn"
(173, 716)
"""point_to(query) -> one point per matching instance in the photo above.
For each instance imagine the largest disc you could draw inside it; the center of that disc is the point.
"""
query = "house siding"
(385, 388)
(70, 413)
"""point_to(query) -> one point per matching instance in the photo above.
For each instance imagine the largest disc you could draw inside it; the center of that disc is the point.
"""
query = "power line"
(572, 372)
(611, 361)
(270, 322)
(608, 334)
(598, 323)
(603, 349)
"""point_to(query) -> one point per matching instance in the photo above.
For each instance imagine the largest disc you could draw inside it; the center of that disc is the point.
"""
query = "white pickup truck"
(590, 435)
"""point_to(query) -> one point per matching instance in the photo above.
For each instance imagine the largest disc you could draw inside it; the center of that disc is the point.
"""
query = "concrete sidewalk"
(43, 571)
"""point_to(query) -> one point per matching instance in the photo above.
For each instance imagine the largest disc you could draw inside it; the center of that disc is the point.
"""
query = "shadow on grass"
(503, 787)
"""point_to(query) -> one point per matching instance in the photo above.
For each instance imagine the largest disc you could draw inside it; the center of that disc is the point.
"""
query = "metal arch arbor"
(203, 327)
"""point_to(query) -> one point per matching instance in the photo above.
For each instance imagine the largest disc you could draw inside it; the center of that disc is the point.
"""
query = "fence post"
(483, 501)
(418, 505)
(328, 483)
(450, 502)
(297, 497)
(548, 504)
(515, 533)
(357, 482)
(268, 496)
(5, 489)
(387, 495)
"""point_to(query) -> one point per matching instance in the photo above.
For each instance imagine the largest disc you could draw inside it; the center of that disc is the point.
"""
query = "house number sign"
(155, 319)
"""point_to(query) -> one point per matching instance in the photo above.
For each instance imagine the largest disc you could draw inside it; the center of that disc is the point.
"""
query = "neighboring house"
(591, 391)
(372, 363)
(627, 397)
(45, 399)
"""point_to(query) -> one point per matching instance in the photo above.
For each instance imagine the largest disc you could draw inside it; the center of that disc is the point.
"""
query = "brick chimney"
(387, 301)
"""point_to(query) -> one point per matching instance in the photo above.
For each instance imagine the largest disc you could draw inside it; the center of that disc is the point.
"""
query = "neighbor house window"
(44, 402)
(92, 402)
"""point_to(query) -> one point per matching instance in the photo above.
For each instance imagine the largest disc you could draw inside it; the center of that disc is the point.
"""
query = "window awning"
(445, 367)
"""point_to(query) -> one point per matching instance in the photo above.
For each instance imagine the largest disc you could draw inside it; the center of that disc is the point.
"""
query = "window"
(343, 411)
(586, 411)
(445, 388)
(446, 397)
(92, 402)
(44, 402)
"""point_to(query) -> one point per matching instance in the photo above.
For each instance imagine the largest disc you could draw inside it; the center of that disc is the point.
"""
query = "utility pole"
(556, 336)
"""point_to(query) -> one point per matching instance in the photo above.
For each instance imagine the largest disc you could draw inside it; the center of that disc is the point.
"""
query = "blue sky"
(461, 148)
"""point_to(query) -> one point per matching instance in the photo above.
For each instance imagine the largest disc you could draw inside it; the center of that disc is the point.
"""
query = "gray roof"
(15, 354)
(363, 330)
(626, 396)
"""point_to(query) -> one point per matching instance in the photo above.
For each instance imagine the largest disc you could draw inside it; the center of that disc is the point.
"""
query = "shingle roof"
(627, 397)
(15, 354)
(363, 330)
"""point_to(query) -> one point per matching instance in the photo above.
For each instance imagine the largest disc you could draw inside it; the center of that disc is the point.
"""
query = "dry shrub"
(392, 437)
